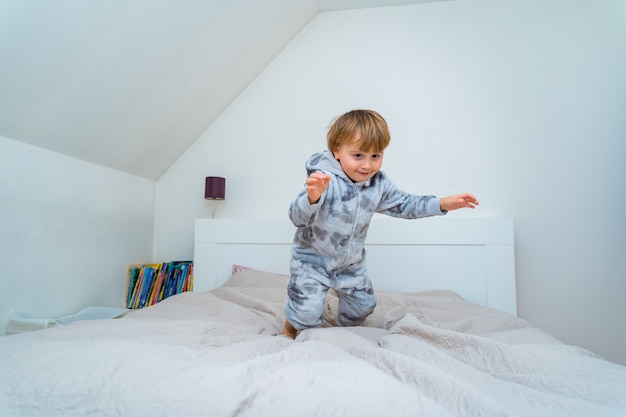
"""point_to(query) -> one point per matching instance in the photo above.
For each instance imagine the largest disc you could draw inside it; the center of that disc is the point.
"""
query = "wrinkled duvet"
(220, 353)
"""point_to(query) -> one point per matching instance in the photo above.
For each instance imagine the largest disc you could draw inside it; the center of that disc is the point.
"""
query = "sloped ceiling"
(131, 84)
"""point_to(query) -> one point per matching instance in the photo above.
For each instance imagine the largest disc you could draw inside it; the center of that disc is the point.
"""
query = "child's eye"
(358, 155)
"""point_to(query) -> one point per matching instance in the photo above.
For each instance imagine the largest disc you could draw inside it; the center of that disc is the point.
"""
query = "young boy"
(344, 188)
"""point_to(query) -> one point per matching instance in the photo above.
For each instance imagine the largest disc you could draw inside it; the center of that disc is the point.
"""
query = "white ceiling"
(131, 84)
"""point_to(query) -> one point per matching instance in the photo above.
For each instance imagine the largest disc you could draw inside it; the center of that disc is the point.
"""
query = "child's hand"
(453, 202)
(316, 184)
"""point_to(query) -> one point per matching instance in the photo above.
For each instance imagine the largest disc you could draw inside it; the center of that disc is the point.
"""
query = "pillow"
(237, 268)
(244, 276)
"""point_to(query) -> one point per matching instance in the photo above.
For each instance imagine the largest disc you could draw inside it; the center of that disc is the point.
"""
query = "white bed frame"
(472, 256)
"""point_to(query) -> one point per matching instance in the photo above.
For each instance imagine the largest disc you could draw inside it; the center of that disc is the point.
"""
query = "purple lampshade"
(215, 188)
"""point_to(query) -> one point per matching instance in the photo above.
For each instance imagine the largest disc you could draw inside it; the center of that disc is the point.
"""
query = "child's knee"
(305, 303)
(354, 311)
(302, 317)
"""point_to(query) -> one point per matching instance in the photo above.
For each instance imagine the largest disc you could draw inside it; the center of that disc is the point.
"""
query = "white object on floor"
(20, 322)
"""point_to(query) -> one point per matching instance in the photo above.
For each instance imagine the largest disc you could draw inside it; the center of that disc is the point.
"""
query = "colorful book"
(149, 284)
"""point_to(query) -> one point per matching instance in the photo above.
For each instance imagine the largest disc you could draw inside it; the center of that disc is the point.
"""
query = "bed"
(434, 346)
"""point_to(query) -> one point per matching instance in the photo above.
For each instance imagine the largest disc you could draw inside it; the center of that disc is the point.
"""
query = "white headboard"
(472, 256)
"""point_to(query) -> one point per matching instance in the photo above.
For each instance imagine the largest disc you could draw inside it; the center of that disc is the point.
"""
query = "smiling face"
(357, 140)
(358, 165)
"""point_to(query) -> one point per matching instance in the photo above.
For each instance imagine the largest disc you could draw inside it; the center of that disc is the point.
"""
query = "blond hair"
(371, 126)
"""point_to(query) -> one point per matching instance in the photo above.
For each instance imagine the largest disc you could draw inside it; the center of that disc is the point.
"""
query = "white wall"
(521, 102)
(67, 230)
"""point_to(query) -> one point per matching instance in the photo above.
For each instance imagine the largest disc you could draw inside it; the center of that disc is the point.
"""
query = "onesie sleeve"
(397, 203)
(301, 212)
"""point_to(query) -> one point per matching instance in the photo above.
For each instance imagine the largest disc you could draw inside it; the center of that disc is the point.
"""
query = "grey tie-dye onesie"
(328, 248)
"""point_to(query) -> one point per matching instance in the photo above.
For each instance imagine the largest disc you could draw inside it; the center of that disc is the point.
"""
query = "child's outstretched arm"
(316, 184)
(453, 202)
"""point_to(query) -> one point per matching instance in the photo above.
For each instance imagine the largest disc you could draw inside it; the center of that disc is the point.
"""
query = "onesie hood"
(325, 161)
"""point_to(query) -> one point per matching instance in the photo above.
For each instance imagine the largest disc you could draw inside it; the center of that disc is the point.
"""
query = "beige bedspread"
(219, 354)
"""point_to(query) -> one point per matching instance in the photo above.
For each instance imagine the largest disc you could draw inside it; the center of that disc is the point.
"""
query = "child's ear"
(336, 155)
